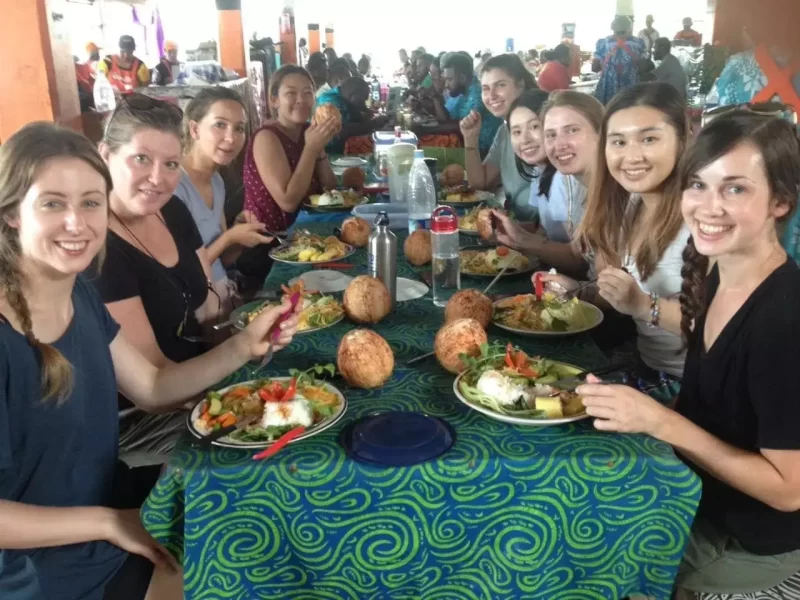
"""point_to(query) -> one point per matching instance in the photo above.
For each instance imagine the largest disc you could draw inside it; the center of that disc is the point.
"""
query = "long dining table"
(509, 512)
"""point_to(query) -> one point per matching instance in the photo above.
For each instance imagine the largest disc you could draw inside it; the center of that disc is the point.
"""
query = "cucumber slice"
(215, 408)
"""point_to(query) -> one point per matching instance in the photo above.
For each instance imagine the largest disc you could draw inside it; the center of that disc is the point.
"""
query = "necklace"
(138, 241)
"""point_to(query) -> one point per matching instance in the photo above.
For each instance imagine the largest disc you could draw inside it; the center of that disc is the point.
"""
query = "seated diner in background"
(736, 418)
(285, 161)
(689, 35)
(461, 82)
(503, 79)
(350, 98)
(557, 71)
(215, 126)
(168, 69)
(70, 526)
(571, 123)
(124, 71)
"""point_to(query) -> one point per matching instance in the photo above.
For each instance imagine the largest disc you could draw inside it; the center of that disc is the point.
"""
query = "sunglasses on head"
(134, 103)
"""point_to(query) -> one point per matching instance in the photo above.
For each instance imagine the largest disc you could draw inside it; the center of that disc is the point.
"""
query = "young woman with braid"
(69, 515)
(737, 417)
(633, 226)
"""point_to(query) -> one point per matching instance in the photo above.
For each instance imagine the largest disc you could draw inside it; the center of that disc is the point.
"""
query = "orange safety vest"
(124, 80)
(779, 81)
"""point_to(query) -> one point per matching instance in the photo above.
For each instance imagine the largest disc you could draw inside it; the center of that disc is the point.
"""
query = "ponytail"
(693, 289)
(56, 369)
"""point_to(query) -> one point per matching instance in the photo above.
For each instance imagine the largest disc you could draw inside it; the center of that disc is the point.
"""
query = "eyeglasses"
(133, 103)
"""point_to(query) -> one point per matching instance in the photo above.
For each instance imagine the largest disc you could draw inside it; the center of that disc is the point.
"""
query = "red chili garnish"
(290, 391)
(509, 359)
(538, 285)
(266, 396)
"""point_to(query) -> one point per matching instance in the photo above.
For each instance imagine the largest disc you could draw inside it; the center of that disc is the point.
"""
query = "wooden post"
(231, 36)
(314, 43)
(288, 37)
(40, 83)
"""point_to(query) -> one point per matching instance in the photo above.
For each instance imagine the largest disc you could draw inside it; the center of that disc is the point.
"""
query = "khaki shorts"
(717, 563)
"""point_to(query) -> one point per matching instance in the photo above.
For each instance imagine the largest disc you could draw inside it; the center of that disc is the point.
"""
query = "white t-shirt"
(659, 349)
(561, 213)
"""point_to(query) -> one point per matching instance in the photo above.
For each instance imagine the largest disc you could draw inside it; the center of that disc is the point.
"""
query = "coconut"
(463, 336)
(365, 359)
(353, 177)
(485, 224)
(366, 300)
(326, 112)
(355, 231)
(417, 247)
(452, 175)
(469, 304)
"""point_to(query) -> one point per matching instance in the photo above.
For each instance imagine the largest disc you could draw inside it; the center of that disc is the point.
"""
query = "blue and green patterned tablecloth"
(554, 513)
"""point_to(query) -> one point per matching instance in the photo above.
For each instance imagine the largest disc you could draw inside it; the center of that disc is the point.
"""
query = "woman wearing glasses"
(69, 517)
(156, 277)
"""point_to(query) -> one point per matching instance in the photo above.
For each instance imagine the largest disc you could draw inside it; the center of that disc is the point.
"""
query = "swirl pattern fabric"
(552, 513)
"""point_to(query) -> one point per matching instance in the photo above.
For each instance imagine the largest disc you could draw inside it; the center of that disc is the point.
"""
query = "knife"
(209, 439)
(570, 383)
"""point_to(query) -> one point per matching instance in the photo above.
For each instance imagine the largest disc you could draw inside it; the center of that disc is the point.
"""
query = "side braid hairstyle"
(777, 142)
(21, 158)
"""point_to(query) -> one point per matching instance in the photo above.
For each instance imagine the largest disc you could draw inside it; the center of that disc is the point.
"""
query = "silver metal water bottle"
(382, 251)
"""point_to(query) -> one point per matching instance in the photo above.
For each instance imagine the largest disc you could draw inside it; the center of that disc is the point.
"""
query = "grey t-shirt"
(208, 220)
(671, 71)
(501, 155)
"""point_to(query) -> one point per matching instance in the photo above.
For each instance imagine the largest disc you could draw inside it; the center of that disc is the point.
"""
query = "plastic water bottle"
(105, 100)
(421, 194)
(446, 268)
(382, 255)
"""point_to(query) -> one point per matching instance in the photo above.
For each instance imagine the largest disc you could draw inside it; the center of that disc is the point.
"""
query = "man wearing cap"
(124, 71)
(85, 73)
(617, 57)
(169, 69)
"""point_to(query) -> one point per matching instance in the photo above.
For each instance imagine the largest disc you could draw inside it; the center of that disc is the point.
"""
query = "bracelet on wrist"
(655, 310)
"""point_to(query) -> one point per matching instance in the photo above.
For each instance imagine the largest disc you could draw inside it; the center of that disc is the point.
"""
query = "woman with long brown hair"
(737, 416)
(571, 123)
(632, 225)
(69, 513)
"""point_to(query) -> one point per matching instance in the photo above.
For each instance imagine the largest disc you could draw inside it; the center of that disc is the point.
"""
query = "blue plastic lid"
(397, 438)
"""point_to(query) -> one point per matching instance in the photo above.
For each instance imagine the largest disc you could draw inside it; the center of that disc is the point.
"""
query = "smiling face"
(526, 136)
(641, 148)
(145, 171)
(295, 99)
(455, 82)
(570, 140)
(63, 218)
(499, 91)
(729, 206)
(220, 135)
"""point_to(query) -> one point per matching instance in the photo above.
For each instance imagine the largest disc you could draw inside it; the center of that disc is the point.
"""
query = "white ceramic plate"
(324, 281)
(349, 251)
(240, 312)
(346, 162)
(517, 420)
(409, 289)
(598, 318)
(227, 442)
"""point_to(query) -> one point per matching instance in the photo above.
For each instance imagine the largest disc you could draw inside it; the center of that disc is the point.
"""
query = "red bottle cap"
(441, 222)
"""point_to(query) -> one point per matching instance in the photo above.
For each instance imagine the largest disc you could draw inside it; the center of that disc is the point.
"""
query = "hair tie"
(32, 339)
